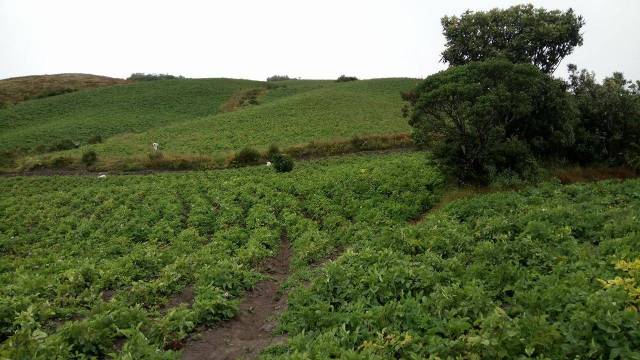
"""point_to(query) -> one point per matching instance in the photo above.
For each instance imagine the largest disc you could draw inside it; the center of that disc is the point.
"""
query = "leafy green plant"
(282, 163)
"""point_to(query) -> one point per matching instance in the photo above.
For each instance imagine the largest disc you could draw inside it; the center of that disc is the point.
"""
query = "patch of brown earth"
(186, 296)
(244, 336)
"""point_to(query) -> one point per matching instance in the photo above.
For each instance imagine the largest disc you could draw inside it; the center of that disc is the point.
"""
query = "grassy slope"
(301, 112)
(113, 110)
(18, 89)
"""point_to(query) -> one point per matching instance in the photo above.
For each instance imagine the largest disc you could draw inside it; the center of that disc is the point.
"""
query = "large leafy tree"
(522, 34)
(489, 117)
(609, 127)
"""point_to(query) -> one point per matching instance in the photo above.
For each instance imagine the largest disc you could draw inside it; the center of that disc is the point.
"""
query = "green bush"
(489, 117)
(89, 158)
(609, 123)
(152, 77)
(344, 78)
(279, 78)
(282, 163)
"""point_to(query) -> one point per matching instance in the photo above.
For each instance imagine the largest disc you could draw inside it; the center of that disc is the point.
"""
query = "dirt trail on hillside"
(244, 336)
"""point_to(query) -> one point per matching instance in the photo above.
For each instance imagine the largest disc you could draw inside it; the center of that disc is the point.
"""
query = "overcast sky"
(256, 38)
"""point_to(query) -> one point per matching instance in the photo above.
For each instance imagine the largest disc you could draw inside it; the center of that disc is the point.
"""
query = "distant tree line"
(279, 78)
(497, 112)
(345, 78)
(151, 77)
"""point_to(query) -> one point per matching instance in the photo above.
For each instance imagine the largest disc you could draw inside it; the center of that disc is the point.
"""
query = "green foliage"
(282, 163)
(95, 139)
(152, 77)
(126, 108)
(65, 144)
(273, 150)
(184, 116)
(279, 78)
(344, 78)
(89, 158)
(67, 241)
(609, 127)
(522, 34)
(502, 276)
(246, 156)
(486, 118)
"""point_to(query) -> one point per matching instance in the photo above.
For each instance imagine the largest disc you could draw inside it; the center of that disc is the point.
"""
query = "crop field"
(112, 110)
(549, 272)
(100, 267)
(91, 267)
(202, 117)
(331, 112)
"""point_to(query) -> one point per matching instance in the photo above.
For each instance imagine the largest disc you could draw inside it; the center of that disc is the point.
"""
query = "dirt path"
(244, 336)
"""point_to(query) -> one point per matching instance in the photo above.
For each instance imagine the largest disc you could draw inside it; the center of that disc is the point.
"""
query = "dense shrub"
(279, 78)
(282, 163)
(246, 156)
(152, 77)
(522, 34)
(488, 117)
(609, 126)
(89, 158)
(344, 78)
(95, 139)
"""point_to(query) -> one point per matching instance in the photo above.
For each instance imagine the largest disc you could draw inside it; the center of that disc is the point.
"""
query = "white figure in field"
(156, 146)
(268, 163)
(103, 176)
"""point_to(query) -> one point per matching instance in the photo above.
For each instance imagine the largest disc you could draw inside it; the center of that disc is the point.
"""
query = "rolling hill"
(203, 117)
(18, 89)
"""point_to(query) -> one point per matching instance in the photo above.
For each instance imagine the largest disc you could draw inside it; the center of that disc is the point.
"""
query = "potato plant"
(91, 265)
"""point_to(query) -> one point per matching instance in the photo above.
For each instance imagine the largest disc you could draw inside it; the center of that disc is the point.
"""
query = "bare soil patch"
(244, 336)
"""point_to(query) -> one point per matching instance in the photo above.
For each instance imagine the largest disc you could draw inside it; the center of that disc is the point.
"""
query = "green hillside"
(108, 111)
(286, 117)
(205, 118)
(18, 89)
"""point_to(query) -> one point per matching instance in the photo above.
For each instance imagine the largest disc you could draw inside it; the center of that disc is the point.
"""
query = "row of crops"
(91, 267)
(551, 272)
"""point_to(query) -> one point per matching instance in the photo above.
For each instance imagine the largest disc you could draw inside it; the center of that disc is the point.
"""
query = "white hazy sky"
(255, 38)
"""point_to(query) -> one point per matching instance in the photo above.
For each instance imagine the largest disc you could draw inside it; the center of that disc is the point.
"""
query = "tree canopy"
(484, 118)
(522, 34)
